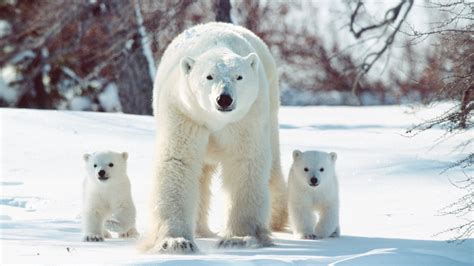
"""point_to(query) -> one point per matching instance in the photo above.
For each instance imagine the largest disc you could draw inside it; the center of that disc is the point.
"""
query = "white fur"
(194, 137)
(304, 200)
(107, 203)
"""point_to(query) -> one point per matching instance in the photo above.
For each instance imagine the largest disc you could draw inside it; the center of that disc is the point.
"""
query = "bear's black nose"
(101, 173)
(224, 101)
(314, 180)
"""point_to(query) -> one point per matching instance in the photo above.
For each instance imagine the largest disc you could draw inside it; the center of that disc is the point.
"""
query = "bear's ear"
(125, 155)
(333, 156)
(296, 154)
(186, 65)
(253, 61)
(86, 157)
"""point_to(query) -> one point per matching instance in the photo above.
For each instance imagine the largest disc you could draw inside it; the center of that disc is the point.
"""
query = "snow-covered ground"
(391, 189)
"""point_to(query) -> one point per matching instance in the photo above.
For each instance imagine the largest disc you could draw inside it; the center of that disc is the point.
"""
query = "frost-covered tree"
(222, 9)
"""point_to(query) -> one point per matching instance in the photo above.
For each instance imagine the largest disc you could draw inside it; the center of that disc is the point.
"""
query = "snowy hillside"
(391, 189)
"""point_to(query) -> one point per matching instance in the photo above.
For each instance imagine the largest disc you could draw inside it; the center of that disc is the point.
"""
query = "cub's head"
(222, 83)
(106, 166)
(314, 168)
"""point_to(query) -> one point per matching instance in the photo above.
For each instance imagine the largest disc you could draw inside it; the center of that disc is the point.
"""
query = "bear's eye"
(209, 77)
(321, 170)
(239, 77)
(111, 164)
(306, 169)
(95, 165)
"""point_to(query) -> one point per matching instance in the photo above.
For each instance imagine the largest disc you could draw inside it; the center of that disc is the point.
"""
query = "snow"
(28, 54)
(80, 103)
(109, 98)
(5, 28)
(391, 189)
(7, 75)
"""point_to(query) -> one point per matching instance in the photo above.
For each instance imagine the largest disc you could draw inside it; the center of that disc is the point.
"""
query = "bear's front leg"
(93, 226)
(246, 176)
(328, 223)
(302, 218)
(175, 195)
(123, 222)
(202, 228)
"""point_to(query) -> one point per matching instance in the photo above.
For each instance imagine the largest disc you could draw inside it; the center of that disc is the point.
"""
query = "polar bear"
(216, 100)
(107, 199)
(313, 186)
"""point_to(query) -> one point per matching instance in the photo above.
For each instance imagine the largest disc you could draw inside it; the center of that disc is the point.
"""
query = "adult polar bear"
(216, 100)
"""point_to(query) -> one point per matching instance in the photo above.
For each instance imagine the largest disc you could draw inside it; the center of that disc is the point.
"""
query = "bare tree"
(396, 14)
(305, 62)
(73, 48)
(462, 208)
(136, 73)
(454, 31)
(222, 9)
(63, 50)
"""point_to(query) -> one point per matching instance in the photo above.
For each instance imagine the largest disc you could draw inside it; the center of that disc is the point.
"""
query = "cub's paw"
(176, 245)
(336, 233)
(93, 238)
(309, 236)
(131, 233)
(107, 234)
(246, 241)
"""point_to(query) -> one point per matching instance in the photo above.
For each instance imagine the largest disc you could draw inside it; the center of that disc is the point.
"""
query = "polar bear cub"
(107, 197)
(313, 187)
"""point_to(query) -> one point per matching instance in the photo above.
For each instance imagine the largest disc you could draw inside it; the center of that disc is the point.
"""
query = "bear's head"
(314, 168)
(106, 166)
(223, 84)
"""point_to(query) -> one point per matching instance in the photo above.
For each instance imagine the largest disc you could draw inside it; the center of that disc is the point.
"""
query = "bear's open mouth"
(103, 178)
(314, 184)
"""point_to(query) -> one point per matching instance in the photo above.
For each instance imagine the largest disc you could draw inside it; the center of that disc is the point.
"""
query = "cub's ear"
(333, 156)
(253, 61)
(86, 157)
(296, 154)
(187, 64)
(125, 155)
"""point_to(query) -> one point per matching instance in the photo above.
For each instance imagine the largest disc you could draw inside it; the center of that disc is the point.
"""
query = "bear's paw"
(309, 236)
(178, 245)
(107, 234)
(131, 233)
(93, 238)
(244, 242)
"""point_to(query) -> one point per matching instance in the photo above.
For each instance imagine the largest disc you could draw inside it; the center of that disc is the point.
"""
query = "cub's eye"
(209, 77)
(239, 78)
(95, 165)
(306, 169)
(321, 170)
(111, 164)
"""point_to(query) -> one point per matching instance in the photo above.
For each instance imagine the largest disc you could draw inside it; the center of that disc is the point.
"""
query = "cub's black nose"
(224, 101)
(101, 173)
(314, 181)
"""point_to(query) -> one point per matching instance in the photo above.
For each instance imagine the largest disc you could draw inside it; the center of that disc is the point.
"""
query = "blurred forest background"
(102, 55)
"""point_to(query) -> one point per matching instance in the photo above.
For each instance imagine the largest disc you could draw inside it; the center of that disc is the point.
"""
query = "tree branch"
(390, 17)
